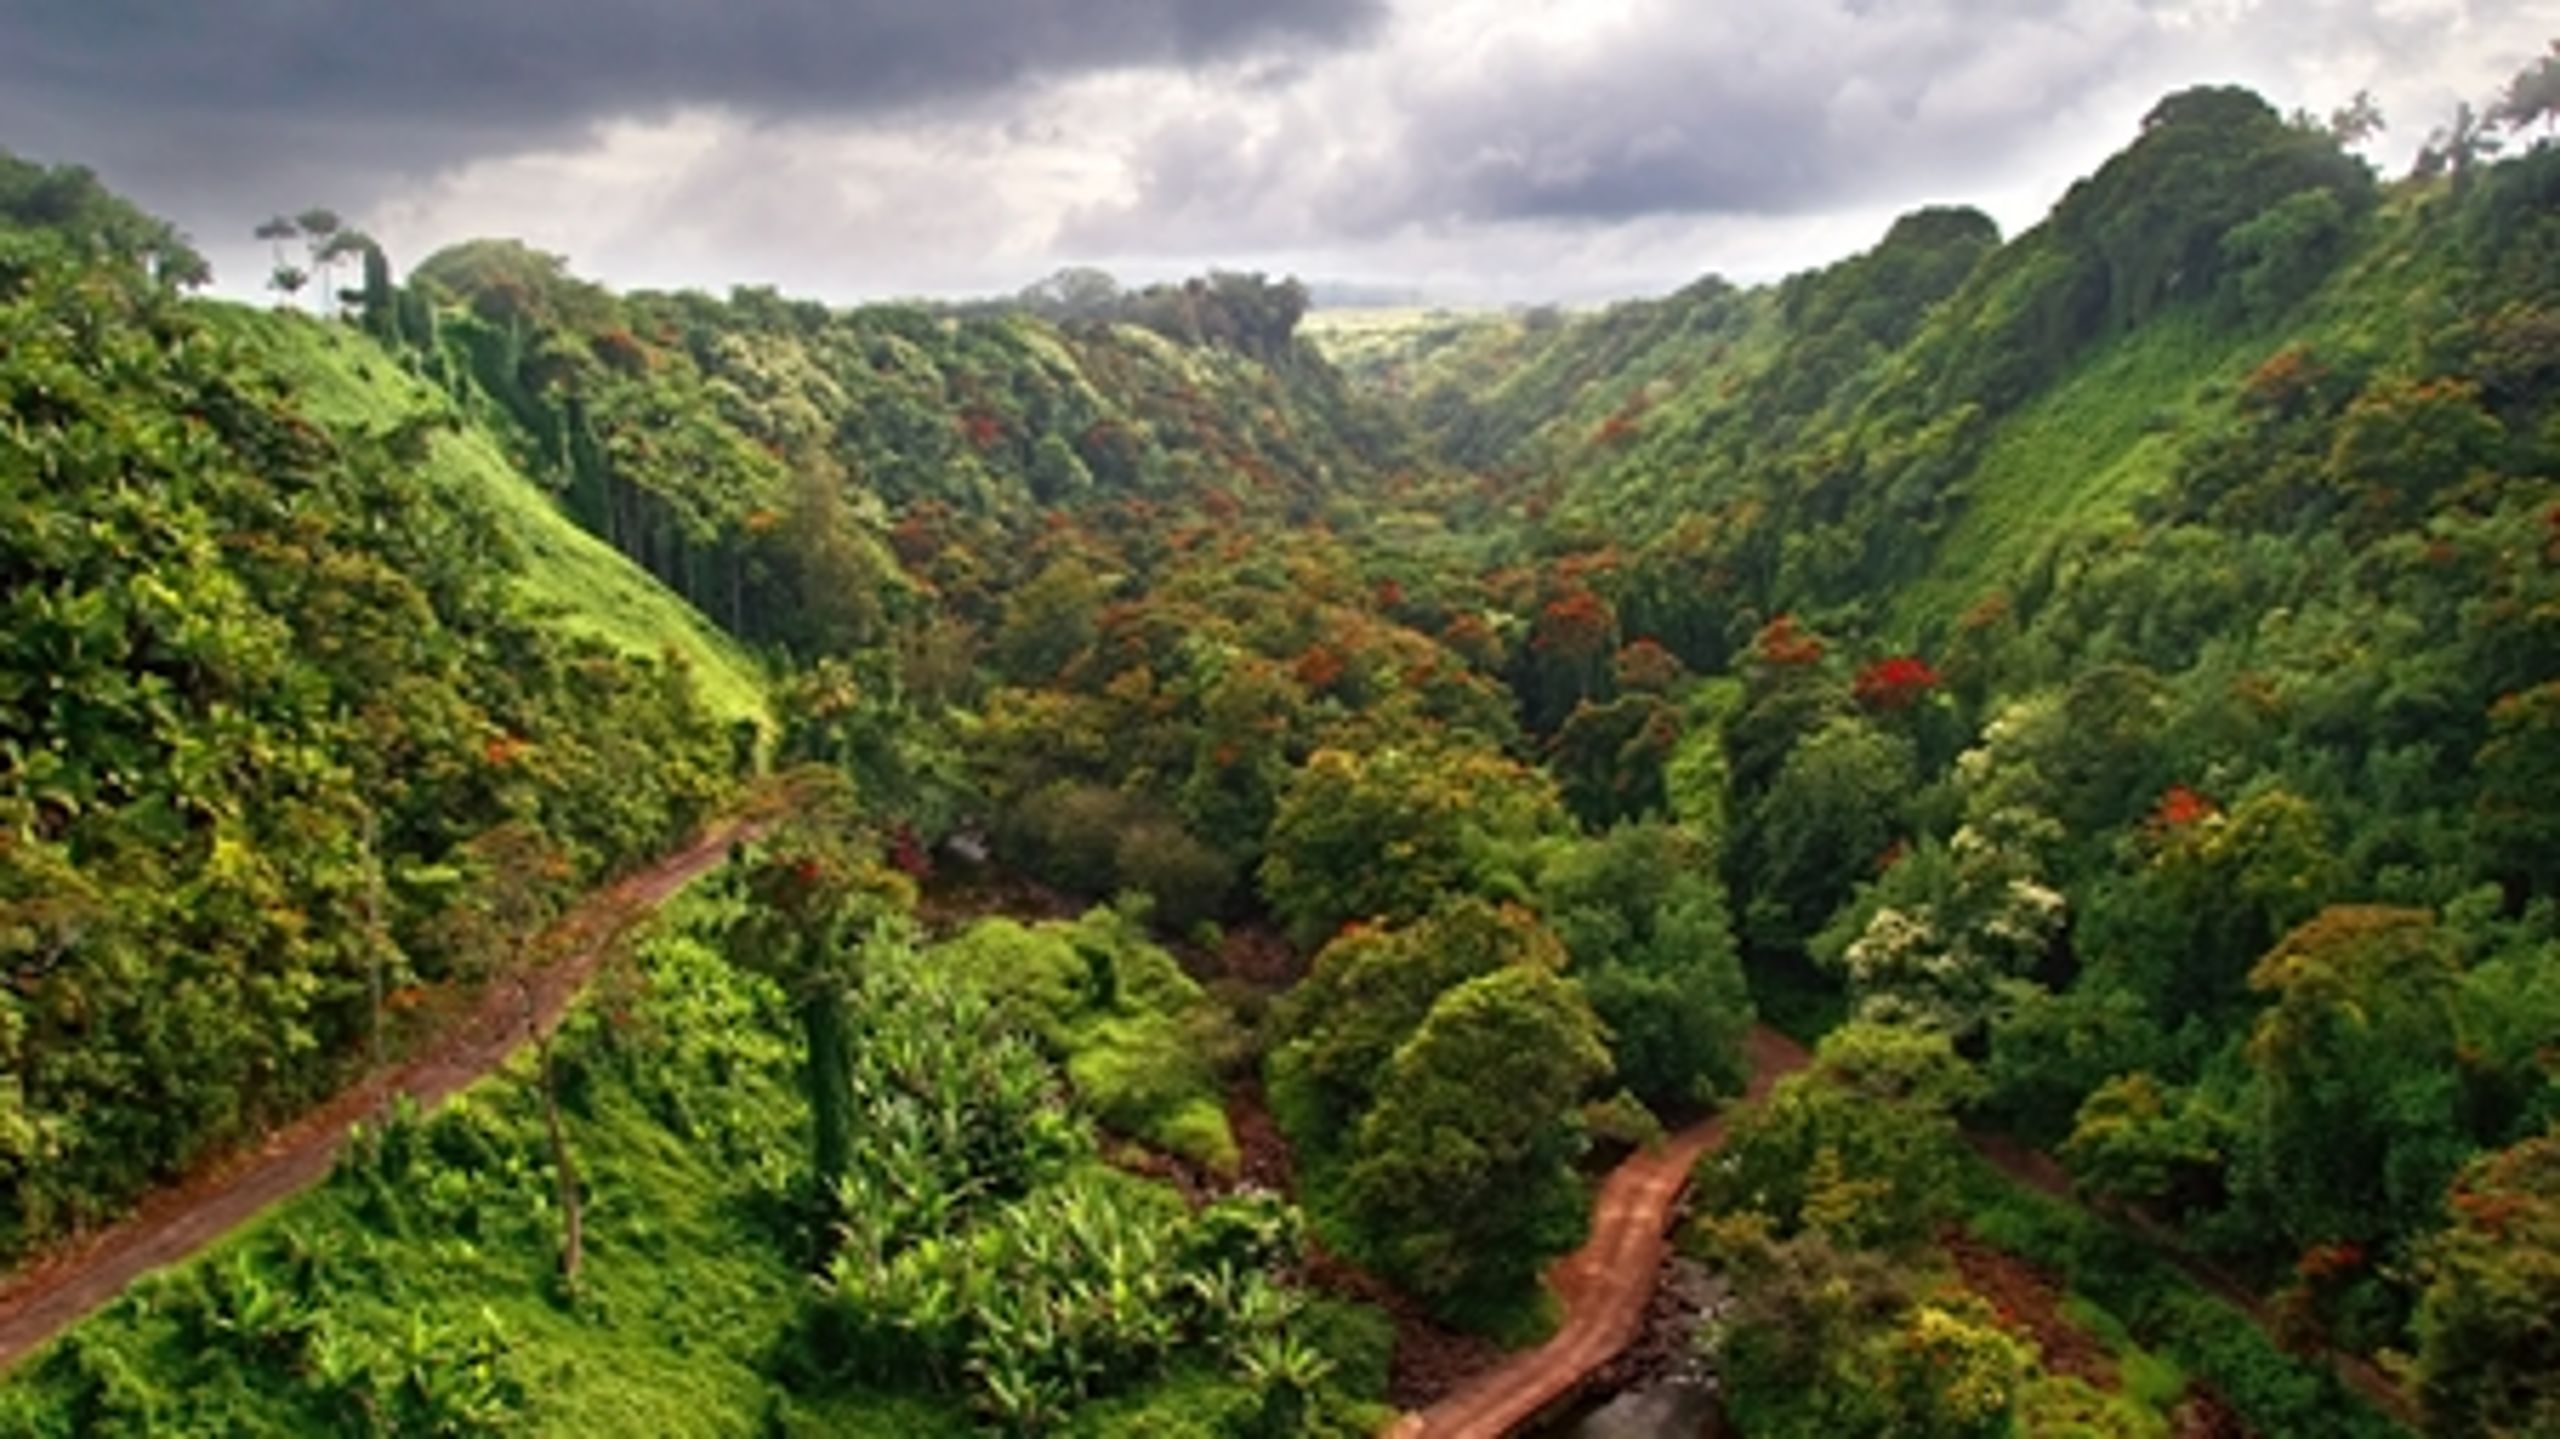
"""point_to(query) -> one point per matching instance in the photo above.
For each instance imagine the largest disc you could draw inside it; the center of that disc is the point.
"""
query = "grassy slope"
(2074, 461)
(590, 588)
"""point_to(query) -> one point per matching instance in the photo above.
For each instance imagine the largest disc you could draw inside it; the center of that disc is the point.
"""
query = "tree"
(1643, 915)
(1878, 1105)
(2532, 96)
(287, 281)
(1934, 938)
(808, 900)
(1050, 619)
(341, 245)
(1461, 1180)
(276, 231)
(1368, 991)
(2515, 824)
(2488, 1351)
(2354, 1126)
(2457, 148)
(2357, 121)
(1827, 819)
(2218, 890)
(1385, 834)
(1822, 1341)
(321, 232)
(516, 895)
(380, 299)
(2140, 1141)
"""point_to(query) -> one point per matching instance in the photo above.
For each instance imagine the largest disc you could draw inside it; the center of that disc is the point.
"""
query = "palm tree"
(320, 228)
(287, 281)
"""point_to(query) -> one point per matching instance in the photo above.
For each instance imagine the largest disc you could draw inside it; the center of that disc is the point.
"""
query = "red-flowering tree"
(1894, 683)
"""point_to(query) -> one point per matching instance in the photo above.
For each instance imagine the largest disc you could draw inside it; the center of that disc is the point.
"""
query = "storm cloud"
(1471, 148)
(374, 91)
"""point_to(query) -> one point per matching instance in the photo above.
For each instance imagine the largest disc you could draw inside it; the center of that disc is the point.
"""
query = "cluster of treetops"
(2121, 661)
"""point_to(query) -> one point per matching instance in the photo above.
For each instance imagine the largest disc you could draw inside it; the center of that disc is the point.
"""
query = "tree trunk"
(830, 1101)
(573, 1217)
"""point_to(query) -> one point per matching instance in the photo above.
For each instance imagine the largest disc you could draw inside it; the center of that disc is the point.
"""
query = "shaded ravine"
(1603, 1285)
(2033, 1169)
(65, 1285)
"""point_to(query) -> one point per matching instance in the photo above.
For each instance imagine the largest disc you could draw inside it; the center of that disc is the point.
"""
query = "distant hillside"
(754, 453)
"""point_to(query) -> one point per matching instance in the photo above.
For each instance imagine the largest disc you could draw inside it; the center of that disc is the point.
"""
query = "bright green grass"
(582, 583)
(2075, 460)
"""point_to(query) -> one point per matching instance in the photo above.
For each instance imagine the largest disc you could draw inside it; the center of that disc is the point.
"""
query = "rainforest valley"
(1257, 809)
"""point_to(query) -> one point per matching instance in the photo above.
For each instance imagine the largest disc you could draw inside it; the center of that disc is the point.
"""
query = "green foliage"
(1829, 813)
(1460, 1177)
(1119, 1013)
(1825, 1340)
(1862, 1149)
(67, 203)
(2135, 1141)
(408, 1293)
(2274, 1392)
(1082, 1287)
(265, 680)
(1642, 913)
(2049, 1050)
(1382, 836)
(1365, 995)
(1933, 940)
(2486, 1351)
(2358, 1126)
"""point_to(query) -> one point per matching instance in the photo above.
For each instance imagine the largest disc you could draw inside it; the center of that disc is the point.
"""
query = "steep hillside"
(756, 453)
(345, 382)
(269, 688)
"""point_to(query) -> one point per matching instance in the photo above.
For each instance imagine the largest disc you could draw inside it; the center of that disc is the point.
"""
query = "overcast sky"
(1468, 150)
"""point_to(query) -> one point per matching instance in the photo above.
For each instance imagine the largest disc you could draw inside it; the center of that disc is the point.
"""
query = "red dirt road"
(1603, 1285)
(43, 1299)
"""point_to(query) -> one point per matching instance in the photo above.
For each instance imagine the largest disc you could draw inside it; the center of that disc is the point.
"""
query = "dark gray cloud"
(854, 147)
(188, 97)
(1669, 108)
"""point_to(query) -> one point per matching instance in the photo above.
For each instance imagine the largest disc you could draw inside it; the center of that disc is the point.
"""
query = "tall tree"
(808, 899)
(519, 872)
(2532, 96)
(2458, 148)
(2358, 120)
(1463, 1178)
(320, 229)
(2488, 1346)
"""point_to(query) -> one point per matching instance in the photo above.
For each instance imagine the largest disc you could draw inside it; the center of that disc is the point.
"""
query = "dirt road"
(1603, 1285)
(46, 1297)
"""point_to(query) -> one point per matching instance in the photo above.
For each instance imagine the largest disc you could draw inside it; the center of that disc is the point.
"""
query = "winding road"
(1604, 1285)
(64, 1286)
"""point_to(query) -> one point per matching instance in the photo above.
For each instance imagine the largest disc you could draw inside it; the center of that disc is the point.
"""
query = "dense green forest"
(2101, 687)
